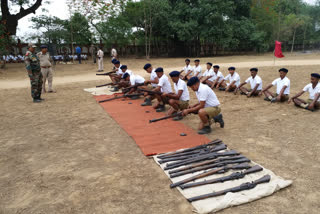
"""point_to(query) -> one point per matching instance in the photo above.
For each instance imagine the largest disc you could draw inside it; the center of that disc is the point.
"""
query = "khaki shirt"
(45, 59)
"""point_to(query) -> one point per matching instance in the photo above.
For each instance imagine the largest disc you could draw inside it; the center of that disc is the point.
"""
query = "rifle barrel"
(164, 118)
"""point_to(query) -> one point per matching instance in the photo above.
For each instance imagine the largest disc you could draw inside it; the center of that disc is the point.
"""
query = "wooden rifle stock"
(98, 86)
(119, 97)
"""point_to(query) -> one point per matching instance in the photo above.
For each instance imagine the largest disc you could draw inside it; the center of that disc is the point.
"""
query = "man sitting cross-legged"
(208, 107)
(208, 75)
(233, 78)
(164, 86)
(179, 100)
(150, 84)
(255, 84)
(314, 94)
(186, 71)
(217, 77)
(283, 88)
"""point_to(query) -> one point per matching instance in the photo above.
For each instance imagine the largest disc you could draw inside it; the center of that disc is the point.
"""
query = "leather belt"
(45, 66)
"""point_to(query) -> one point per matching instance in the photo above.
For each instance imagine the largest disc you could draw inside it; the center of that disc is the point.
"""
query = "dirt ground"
(66, 155)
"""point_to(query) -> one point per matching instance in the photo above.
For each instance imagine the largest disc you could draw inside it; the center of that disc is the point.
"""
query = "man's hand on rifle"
(185, 112)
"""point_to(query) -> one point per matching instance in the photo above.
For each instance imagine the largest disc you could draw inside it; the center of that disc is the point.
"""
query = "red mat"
(152, 138)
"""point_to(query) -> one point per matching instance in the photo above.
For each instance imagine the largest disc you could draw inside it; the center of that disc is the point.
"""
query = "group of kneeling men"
(208, 106)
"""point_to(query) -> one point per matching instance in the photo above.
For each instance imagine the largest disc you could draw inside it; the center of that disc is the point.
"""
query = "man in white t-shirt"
(255, 84)
(133, 80)
(208, 75)
(100, 55)
(164, 86)
(217, 77)
(179, 100)
(233, 78)
(283, 88)
(117, 75)
(207, 108)
(314, 94)
(151, 84)
(114, 54)
(186, 70)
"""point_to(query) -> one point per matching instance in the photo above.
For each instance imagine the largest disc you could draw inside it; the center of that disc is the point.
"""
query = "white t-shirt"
(136, 79)
(100, 53)
(205, 93)
(187, 69)
(234, 77)
(127, 71)
(197, 70)
(119, 71)
(280, 83)
(216, 75)
(153, 76)
(165, 84)
(254, 81)
(312, 91)
(181, 85)
(113, 52)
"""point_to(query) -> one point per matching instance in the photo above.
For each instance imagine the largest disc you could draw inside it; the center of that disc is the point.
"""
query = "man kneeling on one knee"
(179, 100)
(208, 107)
(314, 94)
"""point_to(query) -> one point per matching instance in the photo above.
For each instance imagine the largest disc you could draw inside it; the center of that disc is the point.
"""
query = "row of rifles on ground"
(210, 159)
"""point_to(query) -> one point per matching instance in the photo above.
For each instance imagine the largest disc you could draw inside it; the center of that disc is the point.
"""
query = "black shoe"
(219, 119)
(161, 108)
(222, 89)
(134, 97)
(267, 99)
(273, 100)
(242, 93)
(36, 100)
(205, 130)
(115, 89)
(177, 118)
(147, 102)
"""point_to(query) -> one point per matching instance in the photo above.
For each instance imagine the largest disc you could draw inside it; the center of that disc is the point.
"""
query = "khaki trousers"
(47, 75)
(100, 63)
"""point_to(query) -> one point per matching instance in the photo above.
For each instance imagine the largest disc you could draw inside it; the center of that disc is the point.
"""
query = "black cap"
(43, 46)
(216, 66)
(146, 66)
(197, 60)
(159, 70)
(116, 62)
(192, 81)
(125, 75)
(113, 61)
(174, 74)
(209, 63)
(316, 75)
(231, 68)
(123, 67)
(187, 60)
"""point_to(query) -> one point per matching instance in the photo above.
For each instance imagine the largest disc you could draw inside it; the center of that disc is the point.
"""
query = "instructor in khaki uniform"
(33, 68)
(46, 70)
(100, 59)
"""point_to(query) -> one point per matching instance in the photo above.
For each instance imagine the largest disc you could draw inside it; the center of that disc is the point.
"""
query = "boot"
(222, 89)
(161, 108)
(134, 97)
(115, 89)
(219, 119)
(35, 100)
(205, 130)
(177, 118)
(147, 102)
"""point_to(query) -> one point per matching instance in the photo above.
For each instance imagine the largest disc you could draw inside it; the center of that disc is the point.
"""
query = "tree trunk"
(294, 37)
(304, 38)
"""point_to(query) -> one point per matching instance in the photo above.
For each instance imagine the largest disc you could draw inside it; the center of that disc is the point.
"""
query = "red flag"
(277, 50)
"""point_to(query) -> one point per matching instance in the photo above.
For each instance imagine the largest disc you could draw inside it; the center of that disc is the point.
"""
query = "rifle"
(214, 142)
(200, 158)
(233, 176)
(219, 164)
(166, 117)
(206, 162)
(133, 86)
(210, 172)
(242, 187)
(111, 83)
(119, 97)
(150, 92)
(194, 154)
(106, 74)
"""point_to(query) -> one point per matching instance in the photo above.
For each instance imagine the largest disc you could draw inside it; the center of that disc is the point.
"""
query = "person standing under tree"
(78, 52)
(100, 59)
(114, 54)
(46, 70)
(33, 68)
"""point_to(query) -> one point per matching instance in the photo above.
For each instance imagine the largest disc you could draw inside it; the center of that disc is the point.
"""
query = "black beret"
(316, 75)
(284, 70)
(43, 46)
(125, 75)
(216, 66)
(123, 67)
(113, 61)
(254, 69)
(159, 70)
(197, 60)
(146, 66)
(174, 74)
(187, 60)
(192, 81)
(209, 63)
(116, 62)
(231, 68)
